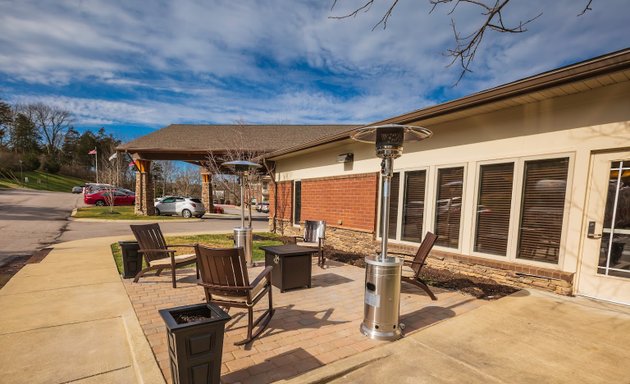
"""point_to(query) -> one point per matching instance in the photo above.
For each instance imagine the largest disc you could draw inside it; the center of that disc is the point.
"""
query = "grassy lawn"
(217, 241)
(119, 213)
(43, 181)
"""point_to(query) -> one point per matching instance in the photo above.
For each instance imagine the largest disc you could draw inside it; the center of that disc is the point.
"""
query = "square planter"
(195, 342)
(131, 259)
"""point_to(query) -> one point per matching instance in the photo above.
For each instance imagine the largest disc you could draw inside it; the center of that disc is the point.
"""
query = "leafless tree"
(236, 149)
(466, 45)
(109, 173)
(52, 123)
(187, 181)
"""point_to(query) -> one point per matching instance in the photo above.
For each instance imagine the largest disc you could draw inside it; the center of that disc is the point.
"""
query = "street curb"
(86, 220)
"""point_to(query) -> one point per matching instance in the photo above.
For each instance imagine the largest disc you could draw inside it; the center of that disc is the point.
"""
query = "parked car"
(77, 189)
(102, 197)
(263, 207)
(181, 206)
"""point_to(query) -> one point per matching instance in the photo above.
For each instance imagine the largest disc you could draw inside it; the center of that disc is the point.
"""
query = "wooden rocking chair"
(157, 254)
(411, 268)
(226, 283)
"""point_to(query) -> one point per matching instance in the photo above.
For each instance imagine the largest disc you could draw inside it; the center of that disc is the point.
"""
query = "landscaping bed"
(214, 240)
(478, 287)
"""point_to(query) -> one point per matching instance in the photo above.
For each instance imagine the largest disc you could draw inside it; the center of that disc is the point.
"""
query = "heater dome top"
(391, 132)
(241, 165)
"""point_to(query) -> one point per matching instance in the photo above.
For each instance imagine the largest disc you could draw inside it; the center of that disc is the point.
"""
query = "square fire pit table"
(291, 265)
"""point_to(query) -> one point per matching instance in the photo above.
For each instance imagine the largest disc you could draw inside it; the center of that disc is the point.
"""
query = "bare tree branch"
(587, 8)
(466, 46)
(52, 122)
(236, 149)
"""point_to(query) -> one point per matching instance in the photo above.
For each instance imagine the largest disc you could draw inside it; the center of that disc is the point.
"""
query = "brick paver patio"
(310, 328)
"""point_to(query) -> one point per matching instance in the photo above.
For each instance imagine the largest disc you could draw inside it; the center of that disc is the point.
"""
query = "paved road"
(78, 230)
(30, 220)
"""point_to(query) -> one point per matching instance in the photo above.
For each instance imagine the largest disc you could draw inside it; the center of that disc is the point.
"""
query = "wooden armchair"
(157, 254)
(226, 283)
(411, 268)
(314, 236)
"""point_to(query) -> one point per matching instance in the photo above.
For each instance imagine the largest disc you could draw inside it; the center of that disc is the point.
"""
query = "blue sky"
(136, 66)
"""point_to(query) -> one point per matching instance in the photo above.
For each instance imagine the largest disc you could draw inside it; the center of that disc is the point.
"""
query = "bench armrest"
(264, 274)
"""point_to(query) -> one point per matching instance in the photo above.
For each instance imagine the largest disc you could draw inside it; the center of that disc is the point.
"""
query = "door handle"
(591, 231)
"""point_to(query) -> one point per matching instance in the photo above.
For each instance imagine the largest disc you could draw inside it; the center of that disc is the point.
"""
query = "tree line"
(38, 136)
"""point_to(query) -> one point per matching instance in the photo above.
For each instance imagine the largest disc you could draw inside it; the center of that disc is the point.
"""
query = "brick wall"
(345, 202)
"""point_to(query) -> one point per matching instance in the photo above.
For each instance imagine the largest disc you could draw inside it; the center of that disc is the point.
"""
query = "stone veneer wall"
(144, 194)
(516, 275)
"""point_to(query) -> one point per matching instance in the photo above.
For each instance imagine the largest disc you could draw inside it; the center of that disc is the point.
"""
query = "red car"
(102, 198)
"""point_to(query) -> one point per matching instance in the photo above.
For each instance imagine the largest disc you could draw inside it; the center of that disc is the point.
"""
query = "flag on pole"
(92, 152)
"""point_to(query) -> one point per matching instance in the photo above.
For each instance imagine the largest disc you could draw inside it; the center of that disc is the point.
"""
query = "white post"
(96, 162)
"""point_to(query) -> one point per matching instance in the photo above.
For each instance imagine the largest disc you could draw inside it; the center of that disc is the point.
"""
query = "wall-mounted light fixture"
(345, 158)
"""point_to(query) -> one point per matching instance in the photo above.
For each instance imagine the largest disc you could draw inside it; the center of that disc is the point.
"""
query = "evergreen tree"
(69, 147)
(24, 136)
(6, 118)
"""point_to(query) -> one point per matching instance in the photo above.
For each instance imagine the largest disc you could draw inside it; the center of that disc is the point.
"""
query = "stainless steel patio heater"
(382, 272)
(243, 236)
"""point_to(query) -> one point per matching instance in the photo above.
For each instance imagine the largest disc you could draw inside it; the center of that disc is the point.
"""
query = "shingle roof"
(204, 138)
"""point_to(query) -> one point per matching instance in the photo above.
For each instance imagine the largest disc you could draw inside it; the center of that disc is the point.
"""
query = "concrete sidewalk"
(68, 319)
(529, 337)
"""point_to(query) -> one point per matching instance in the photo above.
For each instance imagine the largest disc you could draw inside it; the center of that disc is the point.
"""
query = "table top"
(288, 250)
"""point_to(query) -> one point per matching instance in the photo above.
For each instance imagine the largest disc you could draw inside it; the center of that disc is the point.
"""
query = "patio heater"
(243, 236)
(382, 272)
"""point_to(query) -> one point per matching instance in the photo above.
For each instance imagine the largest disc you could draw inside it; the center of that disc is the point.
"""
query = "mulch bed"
(478, 287)
(13, 266)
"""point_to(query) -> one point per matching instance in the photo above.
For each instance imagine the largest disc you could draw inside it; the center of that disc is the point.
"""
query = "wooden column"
(144, 189)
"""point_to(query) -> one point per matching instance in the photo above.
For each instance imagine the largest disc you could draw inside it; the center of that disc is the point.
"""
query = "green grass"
(119, 213)
(216, 241)
(43, 181)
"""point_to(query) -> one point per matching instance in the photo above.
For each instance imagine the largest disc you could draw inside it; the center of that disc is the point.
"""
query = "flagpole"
(96, 161)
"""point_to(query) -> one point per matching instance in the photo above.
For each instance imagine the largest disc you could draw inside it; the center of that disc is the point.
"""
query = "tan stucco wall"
(573, 126)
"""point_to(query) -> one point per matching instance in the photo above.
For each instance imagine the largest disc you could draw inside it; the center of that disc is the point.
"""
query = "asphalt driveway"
(31, 220)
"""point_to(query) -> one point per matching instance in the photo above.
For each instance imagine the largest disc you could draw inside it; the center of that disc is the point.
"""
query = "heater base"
(375, 334)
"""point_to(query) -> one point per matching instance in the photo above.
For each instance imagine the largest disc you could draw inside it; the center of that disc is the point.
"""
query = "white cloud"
(163, 62)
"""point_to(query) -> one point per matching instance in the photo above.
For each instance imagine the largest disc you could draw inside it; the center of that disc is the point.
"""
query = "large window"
(413, 205)
(493, 208)
(542, 209)
(448, 206)
(297, 202)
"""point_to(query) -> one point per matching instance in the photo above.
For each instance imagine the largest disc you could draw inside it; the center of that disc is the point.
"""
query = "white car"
(182, 206)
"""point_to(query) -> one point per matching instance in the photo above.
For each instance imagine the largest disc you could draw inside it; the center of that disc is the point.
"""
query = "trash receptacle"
(195, 342)
(243, 237)
(132, 260)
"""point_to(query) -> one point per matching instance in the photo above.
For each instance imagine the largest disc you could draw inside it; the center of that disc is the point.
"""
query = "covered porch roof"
(193, 143)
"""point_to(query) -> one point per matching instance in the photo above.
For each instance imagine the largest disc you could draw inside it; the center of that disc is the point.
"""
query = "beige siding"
(574, 125)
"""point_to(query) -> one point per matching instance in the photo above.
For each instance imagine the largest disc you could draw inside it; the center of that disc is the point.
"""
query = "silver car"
(177, 205)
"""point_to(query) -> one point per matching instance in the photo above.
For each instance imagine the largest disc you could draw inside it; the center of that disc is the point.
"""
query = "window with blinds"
(493, 208)
(542, 209)
(393, 208)
(448, 206)
(413, 206)
(297, 210)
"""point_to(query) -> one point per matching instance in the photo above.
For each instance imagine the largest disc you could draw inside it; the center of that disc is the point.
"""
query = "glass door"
(605, 268)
